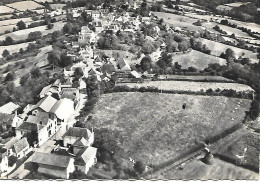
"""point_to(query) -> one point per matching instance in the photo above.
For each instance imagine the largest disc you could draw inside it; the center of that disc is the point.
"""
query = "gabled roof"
(85, 155)
(46, 103)
(45, 90)
(81, 142)
(20, 145)
(123, 65)
(40, 118)
(63, 108)
(10, 143)
(51, 159)
(78, 132)
(30, 126)
(8, 108)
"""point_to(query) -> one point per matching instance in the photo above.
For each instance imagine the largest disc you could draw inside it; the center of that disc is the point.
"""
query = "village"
(63, 135)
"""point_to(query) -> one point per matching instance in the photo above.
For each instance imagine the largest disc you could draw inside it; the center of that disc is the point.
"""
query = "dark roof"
(6, 118)
(109, 68)
(29, 126)
(51, 159)
(41, 118)
(20, 145)
(78, 132)
(81, 142)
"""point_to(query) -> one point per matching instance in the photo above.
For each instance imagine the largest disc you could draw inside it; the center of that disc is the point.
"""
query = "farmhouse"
(86, 35)
(6, 121)
(44, 104)
(54, 165)
(75, 134)
(85, 159)
(9, 108)
(98, 26)
(21, 148)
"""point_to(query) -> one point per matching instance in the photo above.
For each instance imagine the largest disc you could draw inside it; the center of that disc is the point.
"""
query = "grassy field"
(25, 5)
(14, 21)
(178, 21)
(196, 59)
(13, 48)
(23, 34)
(194, 78)
(154, 128)
(220, 170)
(189, 86)
(43, 1)
(5, 9)
(217, 48)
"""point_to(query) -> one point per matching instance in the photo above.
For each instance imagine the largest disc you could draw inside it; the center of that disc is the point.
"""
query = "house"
(42, 124)
(85, 159)
(9, 108)
(48, 91)
(9, 145)
(146, 20)
(86, 35)
(44, 104)
(75, 133)
(6, 121)
(86, 53)
(54, 165)
(113, 28)
(96, 14)
(3, 160)
(98, 26)
(123, 65)
(21, 148)
(108, 68)
(70, 93)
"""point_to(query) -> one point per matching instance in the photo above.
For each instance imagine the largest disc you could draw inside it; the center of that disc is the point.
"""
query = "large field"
(178, 21)
(25, 5)
(23, 34)
(5, 9)
(13, 48)
(196, 59)
(194, 78)
(189, 86)
(217, 48)
(154, 128)
(14, 21)
(220, 170)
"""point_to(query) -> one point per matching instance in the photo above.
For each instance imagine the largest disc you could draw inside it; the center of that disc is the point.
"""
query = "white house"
(85, 159)
(86, 35)
(75, 133)
(54, 165)
(21, 148)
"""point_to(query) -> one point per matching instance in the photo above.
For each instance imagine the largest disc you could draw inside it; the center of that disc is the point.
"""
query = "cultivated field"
(43, 1)
(189, 86)
(25, 5)
(5, 9)
(196, 59)
(217, 48)
(220, 170)
(178, 21)
(155, 131)
(23, 34)
(192, 8)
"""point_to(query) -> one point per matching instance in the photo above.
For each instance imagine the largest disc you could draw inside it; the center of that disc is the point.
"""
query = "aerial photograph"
(125, 90)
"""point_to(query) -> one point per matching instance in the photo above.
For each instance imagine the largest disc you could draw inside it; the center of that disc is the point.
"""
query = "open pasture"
(154, 128)
(196, 59)
(25, 5)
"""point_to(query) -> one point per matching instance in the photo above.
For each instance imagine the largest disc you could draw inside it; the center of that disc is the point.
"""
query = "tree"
(21, 25)
(65, 60)
(35, 72)
(139, 167)
(11, 160)
(10, 76)
(24, 79)
(9, 41)
(254, 110)
(78, 73)
(32, 36)
(50, 26)
(146, 63)
(21, 51)
(55, 35)
(54, 58)
(5, 53)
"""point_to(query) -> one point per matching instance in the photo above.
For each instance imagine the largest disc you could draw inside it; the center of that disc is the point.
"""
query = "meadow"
(196, 59)
(25, 5)
(5, 9)
(154, 128)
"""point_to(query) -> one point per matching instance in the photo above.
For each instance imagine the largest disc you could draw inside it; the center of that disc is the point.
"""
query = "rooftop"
(8, 108)
(78, 132)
